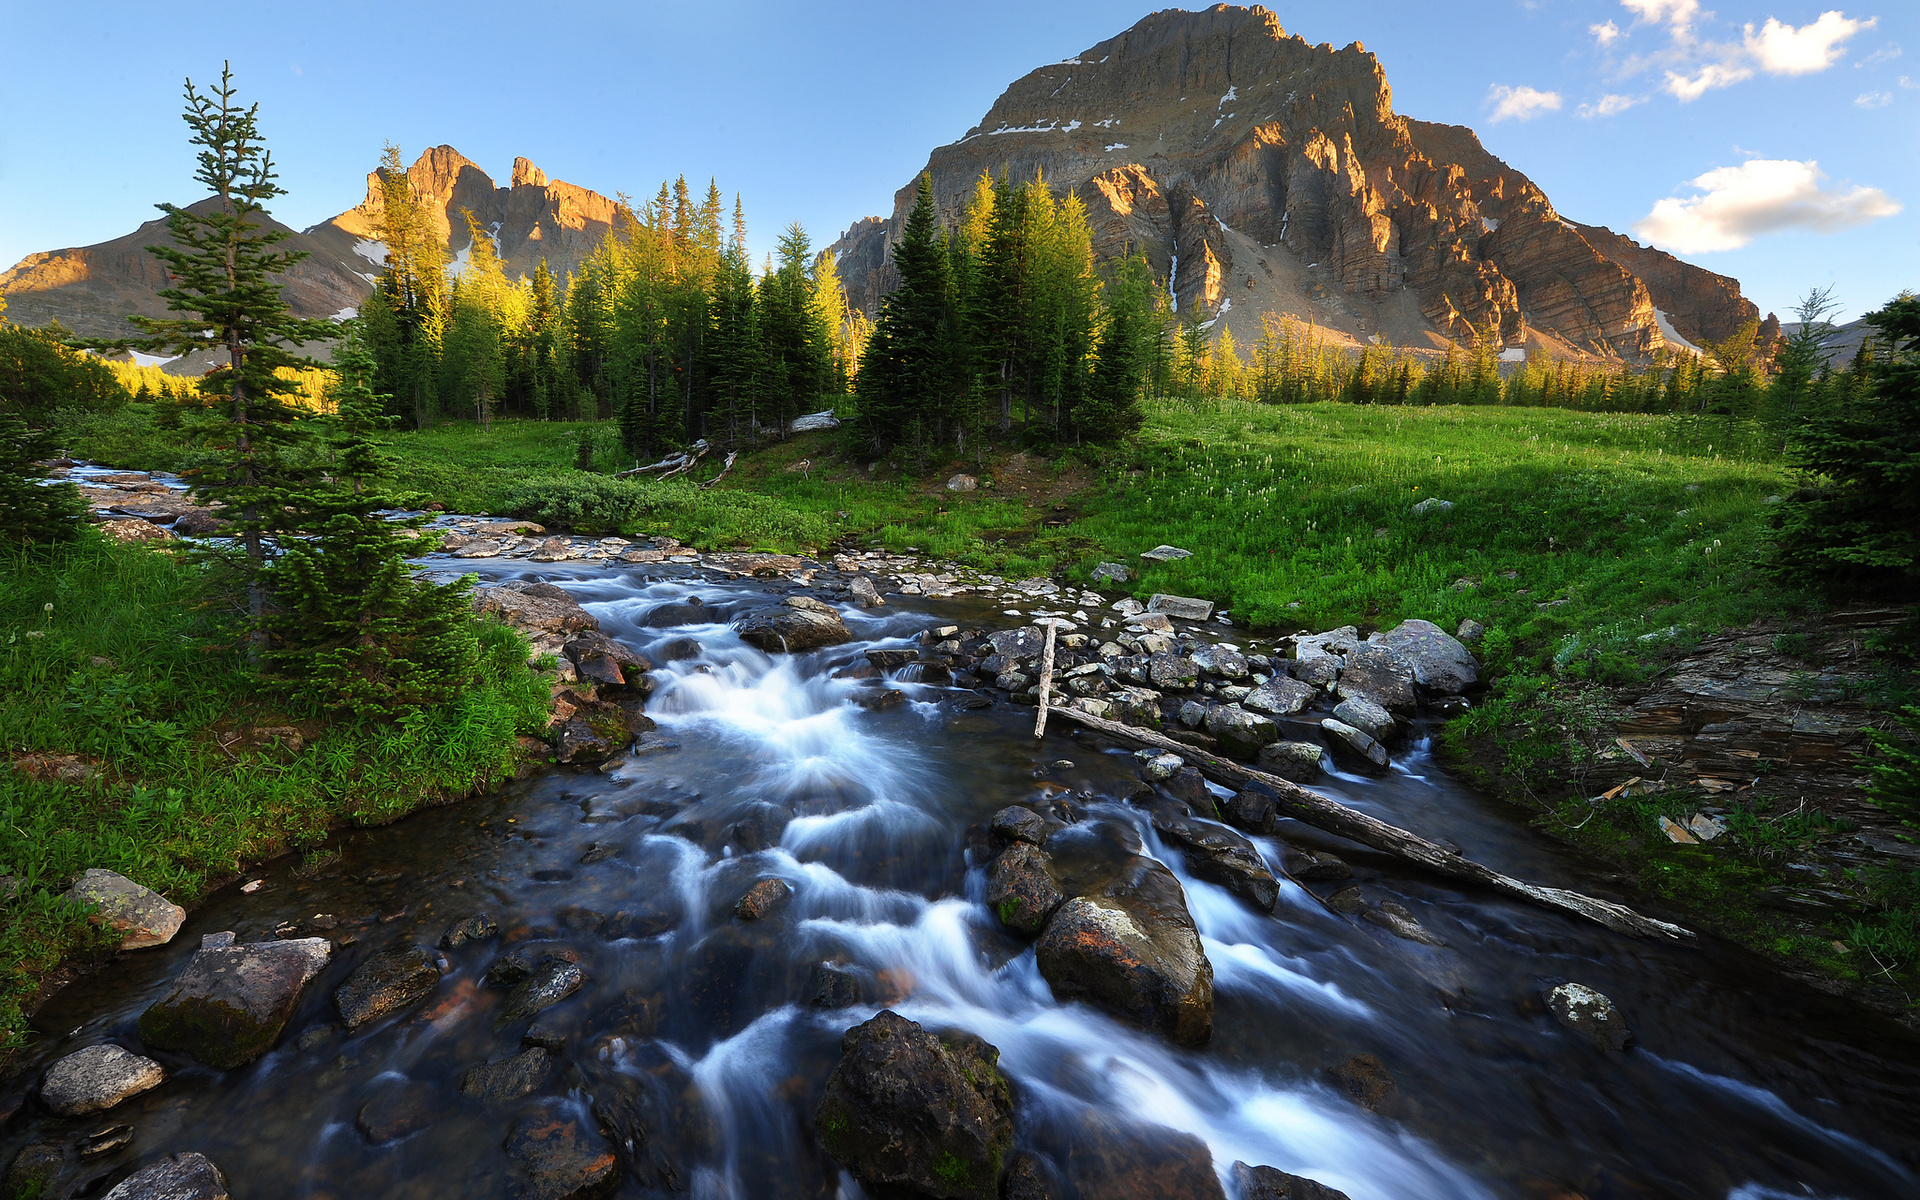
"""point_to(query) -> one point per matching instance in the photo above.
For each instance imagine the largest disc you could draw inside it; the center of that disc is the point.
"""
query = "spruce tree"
(1857, 529)
(31, 511)
(351, 619)
(907, 374)
(223, 266)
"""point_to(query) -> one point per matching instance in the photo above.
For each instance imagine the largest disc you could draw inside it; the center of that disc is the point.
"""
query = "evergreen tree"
(907, 374)
(351, 619)
(1857, 530)
(406, 315)
(223, 265)
(1111, 408)
(32, 511)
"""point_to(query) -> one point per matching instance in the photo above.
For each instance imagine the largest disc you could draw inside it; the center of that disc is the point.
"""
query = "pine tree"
(406, 315)
(351, 619)
(223, 266)
(32, 511)
(907, 374)
(1857, 530)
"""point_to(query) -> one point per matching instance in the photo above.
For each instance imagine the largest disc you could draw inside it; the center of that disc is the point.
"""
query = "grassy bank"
(142, 744)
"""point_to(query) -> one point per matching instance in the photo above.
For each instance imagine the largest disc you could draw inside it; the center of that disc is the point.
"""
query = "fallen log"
(1046, 679)
(1313, 809)
(731, 455)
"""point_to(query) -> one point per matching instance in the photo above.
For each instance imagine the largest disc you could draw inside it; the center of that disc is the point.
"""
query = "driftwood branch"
(671, 464)
(700, 449)
(1046, 679)
(1316, 810)
(731, 455)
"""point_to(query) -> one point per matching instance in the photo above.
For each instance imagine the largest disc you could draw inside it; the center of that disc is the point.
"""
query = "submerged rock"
(230, 1004)
(546, 985)
(508, 1079)
(97, 1078)
(1591, 1015)
(795, 626)
(1133, 950)
(398, 1111)
(181, 1177)
(562, 1160)
(763, 899)
(387, 983)
(906, 1111)
(141, 916)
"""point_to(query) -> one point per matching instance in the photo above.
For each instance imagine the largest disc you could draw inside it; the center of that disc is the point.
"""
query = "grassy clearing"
(118, 664)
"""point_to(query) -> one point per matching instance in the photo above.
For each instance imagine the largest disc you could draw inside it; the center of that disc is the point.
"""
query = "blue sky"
(1772, 140)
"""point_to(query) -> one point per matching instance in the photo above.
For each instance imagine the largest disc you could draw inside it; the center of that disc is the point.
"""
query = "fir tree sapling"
(350, 617)
(31, 510)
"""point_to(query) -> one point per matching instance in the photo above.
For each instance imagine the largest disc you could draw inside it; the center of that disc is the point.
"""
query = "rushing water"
(1743, 1084)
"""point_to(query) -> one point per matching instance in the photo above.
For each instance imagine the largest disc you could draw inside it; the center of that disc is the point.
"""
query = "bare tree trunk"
(1046, 678)
(1313, 809)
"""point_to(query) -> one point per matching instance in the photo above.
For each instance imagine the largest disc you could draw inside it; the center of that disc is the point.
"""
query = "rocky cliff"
(93, 289)
(1261, 174)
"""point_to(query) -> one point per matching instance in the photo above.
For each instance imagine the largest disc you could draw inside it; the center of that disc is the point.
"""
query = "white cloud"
(1908, 83)
(1738, 204)
(1676, 14)
(1604, 34)
(1520, 103)
(1784, 50)
(1609, 105)
(1873, 99)
(1886, 53)
(1713, 75)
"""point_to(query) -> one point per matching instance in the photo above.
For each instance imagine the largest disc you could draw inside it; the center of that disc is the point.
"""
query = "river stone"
(1368, 717)
(694, 611)
(1393, 916)
(386, 983)
(795, 626)
(1295, 761)
(1317, 670)
(864, 593)
(1271, 1183)
(1160, 554)
(1382, 675)
(230, 1004)
(834, 986)
(600, 658)
(1029, 1178)
(182, 1177)
(905, 1111)
(762, 899)
(534, 608)
(1172, 671)
(1279, 696)
(1441, 665)
(1193, 714)
(1020, 891)
(35, 1170)
(1133, 949)
(1591, 1015)
(891, 660)
(562, 1160)
(143, 917)
(97, 1078)
(1217, 854)
(1189, 786)
(1187, 608)
(1116, 572)
(1017, 645)
(476, 928)
(1253, 809)
(1137, 1161)
(548, 984)
(508, 1079)
(1223, 661)
(1162, 766)
(1356, 746)
(519, 963)
(398, 1111)
(1241, 733)
(1016, 824)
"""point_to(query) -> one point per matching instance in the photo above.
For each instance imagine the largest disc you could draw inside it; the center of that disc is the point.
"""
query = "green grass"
(135, 670)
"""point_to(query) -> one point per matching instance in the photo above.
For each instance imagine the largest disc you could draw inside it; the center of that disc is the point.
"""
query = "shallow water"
(1742, 1084)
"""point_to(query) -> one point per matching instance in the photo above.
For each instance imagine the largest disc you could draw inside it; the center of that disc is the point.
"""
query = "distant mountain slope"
(1263, 174)
(93, 289)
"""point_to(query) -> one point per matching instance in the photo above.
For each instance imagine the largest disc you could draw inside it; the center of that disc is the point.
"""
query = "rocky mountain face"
(1262, 174)
(93, 289)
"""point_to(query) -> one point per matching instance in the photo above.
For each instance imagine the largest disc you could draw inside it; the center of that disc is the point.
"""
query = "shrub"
(39, 373)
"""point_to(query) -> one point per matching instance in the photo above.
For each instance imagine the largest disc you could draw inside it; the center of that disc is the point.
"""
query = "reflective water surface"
(698, 1039)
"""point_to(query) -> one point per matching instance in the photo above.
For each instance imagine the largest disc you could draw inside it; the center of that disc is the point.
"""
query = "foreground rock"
(508, 1079)
(182, 1177)
(1356, 746)
(387, 983)
(1137, 1161)
(547, 985)
(795, 626)
(230, 1004)
(906, 1112)
(1133, 950)
(1381, 675)
(1020, 890)
(1271, 1183)
(97, 1078)
(534, 608)
(1591, 1015)
(1217, 854)
(562, 1161)
(141, 916)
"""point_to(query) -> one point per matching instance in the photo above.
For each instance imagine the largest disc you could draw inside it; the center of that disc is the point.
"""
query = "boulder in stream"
(387, 983)
(1217, 854)
(1280, 696)
(598, 657)
(476, 928)
(141, 916)
(1380, 673)
(1356, 746)
(1132, 1160)
(909, 1112)
(230, 1004)
(97, 1078)
(545, 986)
(1591, 1015)
(562, 1160)
(1020, 891)
(1441, 665)
(1241, 733)
(534, 608)
(1132, 949)
(795, 626)
(763, 899)
(181, 1177)
(508, 1079)
(1271, 1183)
(1364, 714)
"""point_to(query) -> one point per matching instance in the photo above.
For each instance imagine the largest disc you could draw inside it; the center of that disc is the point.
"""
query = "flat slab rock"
(795, 626)
(182, 1177)
(230, 1004)
(97, 1078)
(142, 916)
